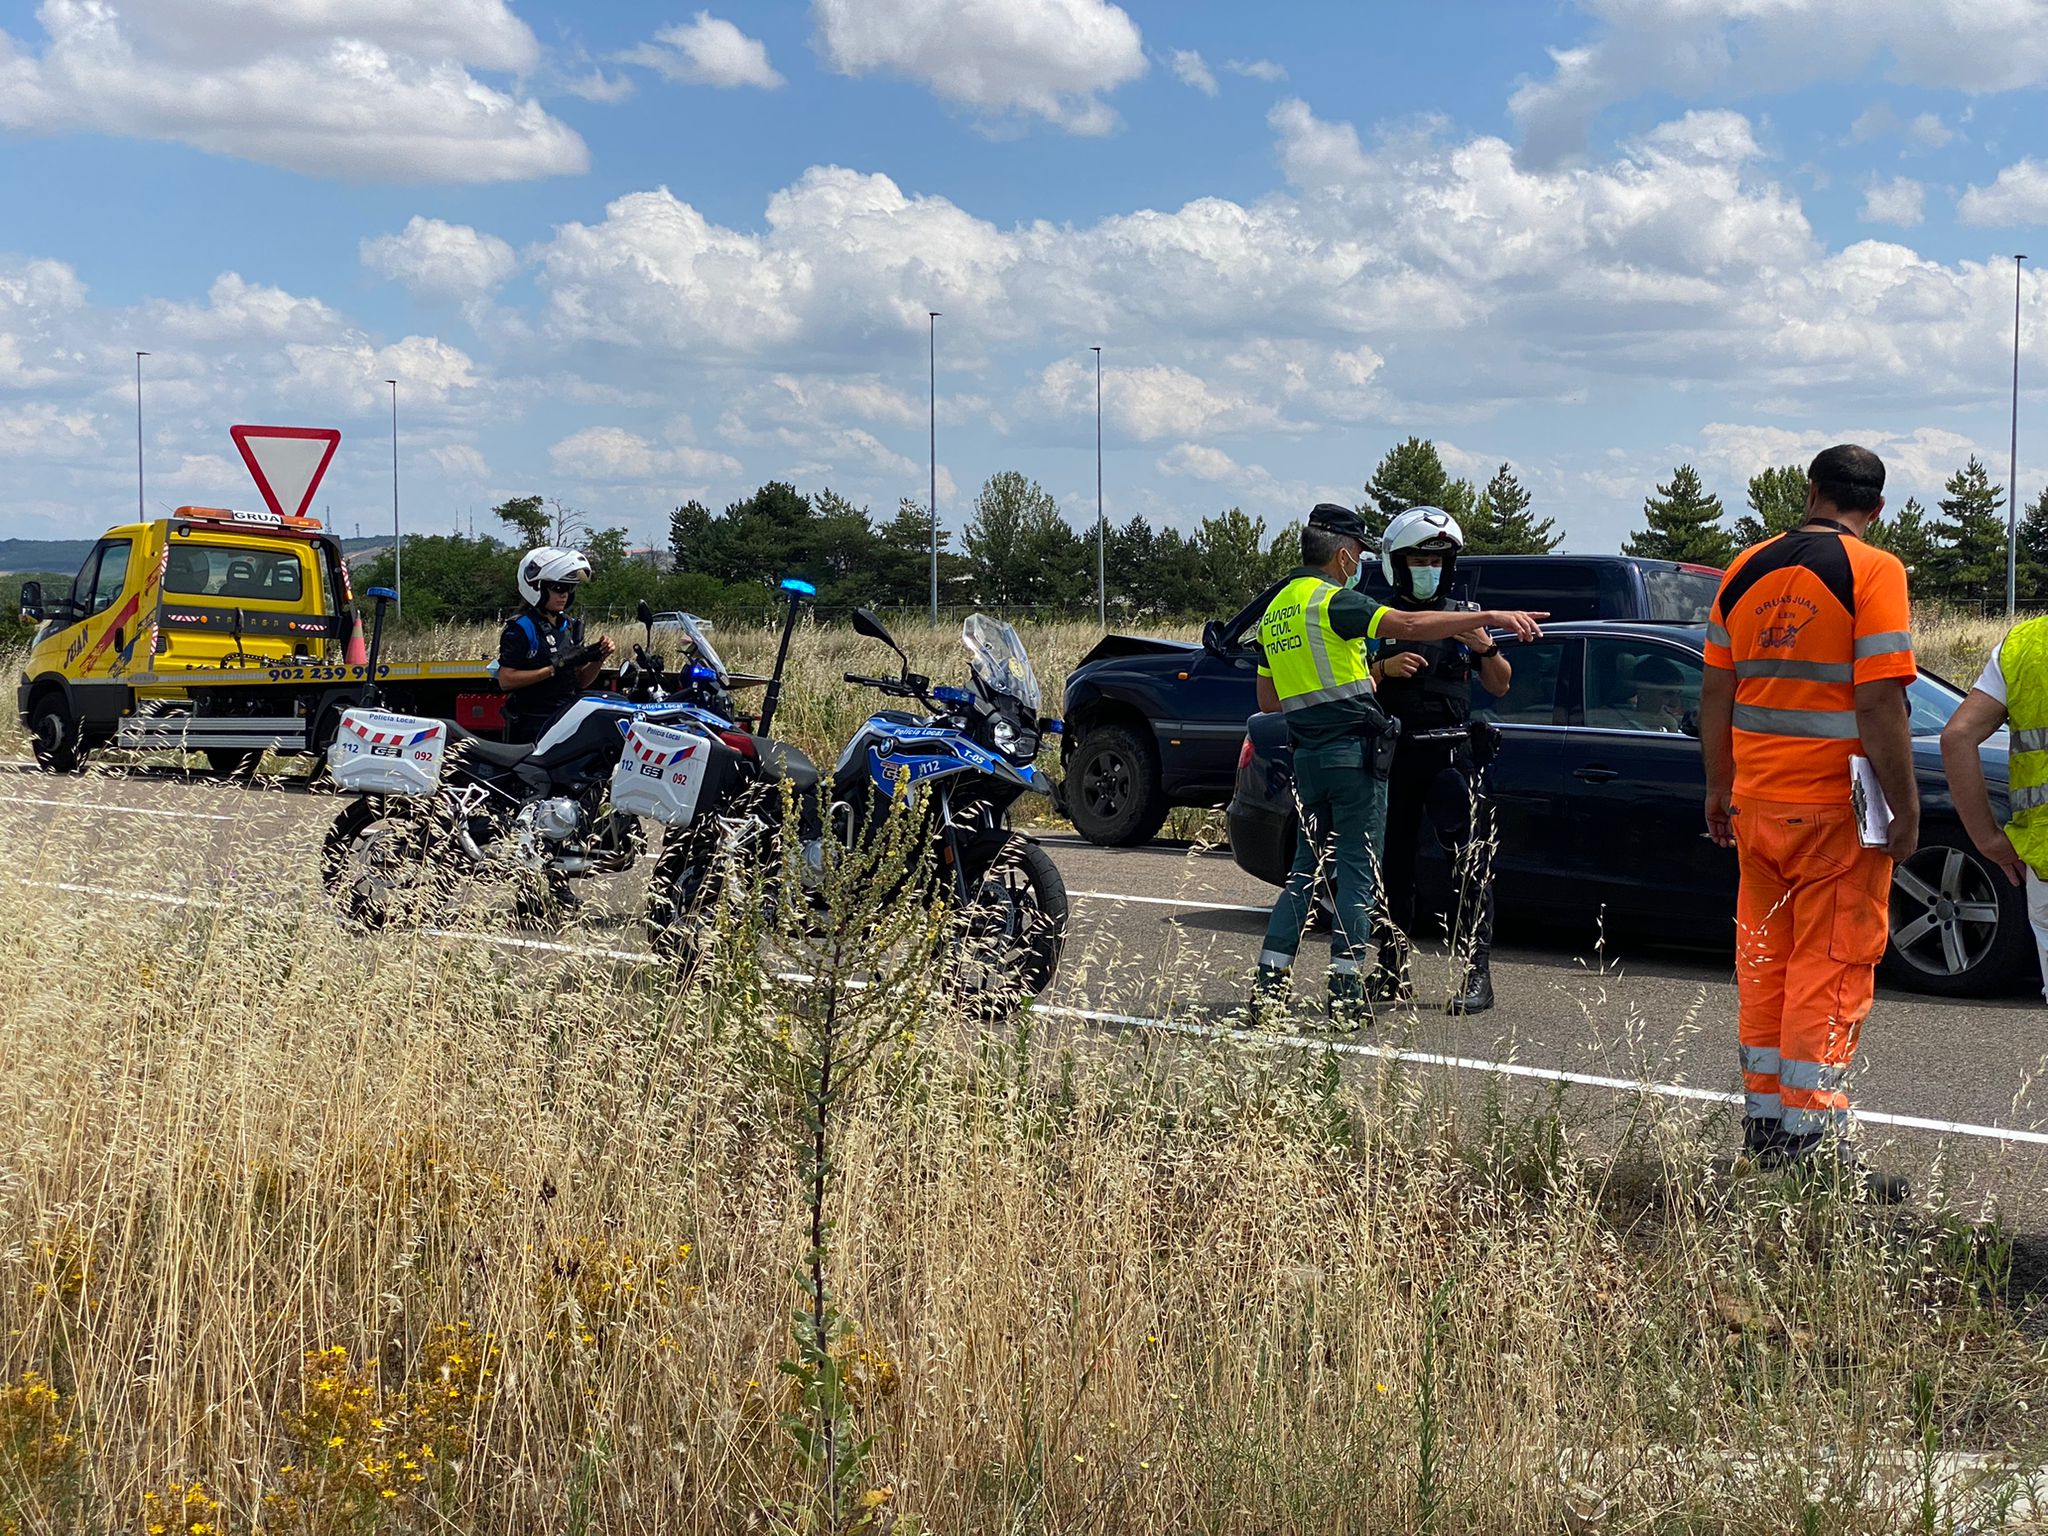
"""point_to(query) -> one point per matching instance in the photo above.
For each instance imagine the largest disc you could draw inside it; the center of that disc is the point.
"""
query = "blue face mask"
(1358, 570)
(1424, 579)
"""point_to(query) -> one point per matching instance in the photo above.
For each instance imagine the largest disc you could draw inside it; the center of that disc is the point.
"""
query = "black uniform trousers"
(1437, 783)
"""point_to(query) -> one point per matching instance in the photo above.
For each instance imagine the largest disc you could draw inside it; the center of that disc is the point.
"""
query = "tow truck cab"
(205, 593)
(202, 589)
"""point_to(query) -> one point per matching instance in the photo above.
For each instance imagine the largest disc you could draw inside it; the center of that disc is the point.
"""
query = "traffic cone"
(352, 652)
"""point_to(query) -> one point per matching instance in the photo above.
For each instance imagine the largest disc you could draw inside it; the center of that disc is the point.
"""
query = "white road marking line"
(1197, 1031)
(1518, 1069)
(118, 810)
(1169, 901)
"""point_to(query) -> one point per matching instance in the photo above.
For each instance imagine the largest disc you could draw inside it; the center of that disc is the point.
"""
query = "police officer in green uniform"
(1313, 668)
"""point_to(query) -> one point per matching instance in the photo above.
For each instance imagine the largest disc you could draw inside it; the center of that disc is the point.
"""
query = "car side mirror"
(1212, 638)
(32, 600)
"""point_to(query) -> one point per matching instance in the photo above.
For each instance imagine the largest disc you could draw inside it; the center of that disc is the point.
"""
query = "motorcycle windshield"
(707, 653)
(997, 657)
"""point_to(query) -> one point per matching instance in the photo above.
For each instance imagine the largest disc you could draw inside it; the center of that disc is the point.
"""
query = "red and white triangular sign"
(287, 462)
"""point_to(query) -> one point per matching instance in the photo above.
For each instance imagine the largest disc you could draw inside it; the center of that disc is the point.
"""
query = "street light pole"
(2012, 472)
(138, 435)
(1101, 523)
(932, 360)
(397, 539)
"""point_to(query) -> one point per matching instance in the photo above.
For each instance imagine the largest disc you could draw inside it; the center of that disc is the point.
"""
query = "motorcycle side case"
(376, 752)
(661, 773)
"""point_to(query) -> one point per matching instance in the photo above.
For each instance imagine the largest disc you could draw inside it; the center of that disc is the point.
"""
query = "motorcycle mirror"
(865, 623)
(645, 613)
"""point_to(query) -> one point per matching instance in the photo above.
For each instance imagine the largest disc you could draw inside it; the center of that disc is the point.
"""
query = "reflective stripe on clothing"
(1716, 635)
(1826, 1076)
(2030, 797)
(1809, 724)
(1886, 644)
(1762, 1106)
(1816, 1122)
(1354, 690)
(1759, 1058)
(2032, 740)
(1812, 671)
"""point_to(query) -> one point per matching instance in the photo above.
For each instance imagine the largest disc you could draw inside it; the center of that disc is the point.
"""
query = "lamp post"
(138, 435)
(397, 540)
(1101, 523)
(2012, 472)
(932, 380)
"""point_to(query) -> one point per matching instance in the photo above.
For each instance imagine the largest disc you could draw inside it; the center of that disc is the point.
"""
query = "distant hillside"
(26, 555)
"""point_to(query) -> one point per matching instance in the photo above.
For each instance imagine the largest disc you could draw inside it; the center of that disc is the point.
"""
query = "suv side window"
(1531, 698)
(1642, 685)
(1565, 589)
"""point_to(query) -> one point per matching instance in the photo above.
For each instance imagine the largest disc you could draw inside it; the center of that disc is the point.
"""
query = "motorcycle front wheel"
(1014, 921)
(682, 898)
(377, 860)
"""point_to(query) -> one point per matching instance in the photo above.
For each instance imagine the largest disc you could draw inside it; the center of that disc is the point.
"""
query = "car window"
(1642, 685)
(1564, 589)
(1531, 698)
(227, 570)
(1931, 703)
(113, 572)
(1680, 597)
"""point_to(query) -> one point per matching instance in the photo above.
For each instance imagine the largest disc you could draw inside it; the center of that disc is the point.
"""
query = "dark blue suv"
(1152, 724)
(1598, 807)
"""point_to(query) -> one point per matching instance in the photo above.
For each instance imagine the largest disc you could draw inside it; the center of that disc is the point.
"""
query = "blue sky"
(630, 254)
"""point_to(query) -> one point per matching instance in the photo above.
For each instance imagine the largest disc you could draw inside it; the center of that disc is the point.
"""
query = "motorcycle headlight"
(1004, 735)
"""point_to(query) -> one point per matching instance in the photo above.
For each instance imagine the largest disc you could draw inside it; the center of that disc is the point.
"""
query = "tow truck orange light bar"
(229, 517)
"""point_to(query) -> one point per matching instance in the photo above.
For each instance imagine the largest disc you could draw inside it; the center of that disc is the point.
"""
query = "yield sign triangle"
(287, 463)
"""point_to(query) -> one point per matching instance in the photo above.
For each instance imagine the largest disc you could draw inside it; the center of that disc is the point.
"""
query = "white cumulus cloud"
(708, 50)
(1257, 69)
(1698, 48)
(439, 259)
(362, 90)
(1901, 201)
(1049, 59)
(2019, 195)
(613, 453)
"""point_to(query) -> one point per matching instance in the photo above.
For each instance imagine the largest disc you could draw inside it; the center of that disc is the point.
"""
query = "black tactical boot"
(1477, 994)
(1763, 1141)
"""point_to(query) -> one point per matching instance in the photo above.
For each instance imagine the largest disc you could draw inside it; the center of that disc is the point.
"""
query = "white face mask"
(1424, 579)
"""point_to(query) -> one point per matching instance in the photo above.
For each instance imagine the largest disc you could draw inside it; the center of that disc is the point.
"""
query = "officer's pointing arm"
(1442, 624)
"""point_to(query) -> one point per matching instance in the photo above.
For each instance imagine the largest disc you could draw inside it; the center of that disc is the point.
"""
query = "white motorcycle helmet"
(1420, 531)
(561, 566)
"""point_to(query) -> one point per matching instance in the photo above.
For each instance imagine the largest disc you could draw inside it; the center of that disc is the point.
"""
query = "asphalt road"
(1169, 933)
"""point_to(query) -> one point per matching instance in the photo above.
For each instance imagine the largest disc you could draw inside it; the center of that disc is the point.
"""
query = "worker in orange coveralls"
(1809, 649)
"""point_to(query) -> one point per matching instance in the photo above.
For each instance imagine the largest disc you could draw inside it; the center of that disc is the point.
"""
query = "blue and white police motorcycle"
(958, 765)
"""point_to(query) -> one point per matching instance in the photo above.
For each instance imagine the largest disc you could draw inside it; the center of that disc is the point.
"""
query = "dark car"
(1152, 724)
(1599, 815)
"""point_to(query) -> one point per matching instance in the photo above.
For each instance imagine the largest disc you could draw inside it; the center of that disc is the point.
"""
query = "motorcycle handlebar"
(885, 684)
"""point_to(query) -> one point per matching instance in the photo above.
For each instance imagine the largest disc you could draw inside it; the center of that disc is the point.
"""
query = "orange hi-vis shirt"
(1800, 620)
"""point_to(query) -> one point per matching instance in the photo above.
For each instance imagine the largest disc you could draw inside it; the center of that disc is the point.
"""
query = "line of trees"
(1957, 551)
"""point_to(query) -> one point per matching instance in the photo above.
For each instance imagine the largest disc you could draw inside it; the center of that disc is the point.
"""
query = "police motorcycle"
(430, 799)
(722, 788)
(957, 766)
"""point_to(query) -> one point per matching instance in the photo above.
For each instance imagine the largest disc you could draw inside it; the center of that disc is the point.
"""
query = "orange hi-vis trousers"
(1811, 924)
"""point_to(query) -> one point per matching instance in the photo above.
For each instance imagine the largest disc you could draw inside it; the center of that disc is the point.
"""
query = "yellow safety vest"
(1309, 662)
(2023, 658)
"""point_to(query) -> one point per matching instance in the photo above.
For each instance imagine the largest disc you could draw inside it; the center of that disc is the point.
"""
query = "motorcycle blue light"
(800, 588)
(952, 695)
(698, 670)
(381, 594)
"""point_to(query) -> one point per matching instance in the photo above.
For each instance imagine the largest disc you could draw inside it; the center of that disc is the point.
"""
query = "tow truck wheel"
(53, 735)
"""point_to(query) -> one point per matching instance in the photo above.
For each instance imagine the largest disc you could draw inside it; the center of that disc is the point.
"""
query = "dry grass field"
(303, 1230)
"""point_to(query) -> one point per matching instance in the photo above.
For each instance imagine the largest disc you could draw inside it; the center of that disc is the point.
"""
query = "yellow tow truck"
(220, 632)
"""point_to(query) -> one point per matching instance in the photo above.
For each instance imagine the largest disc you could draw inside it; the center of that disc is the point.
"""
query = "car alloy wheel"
(1945, 911)
(1106, 783)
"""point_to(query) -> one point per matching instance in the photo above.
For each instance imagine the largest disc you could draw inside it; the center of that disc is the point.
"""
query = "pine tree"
(689, 531)
(1906, 534)
(1129, 558)
(1683, 522)
(1969, 555)
(2033, 540)
(1019, 549)
(1777, 504)
(1501, 523)
(1413, 475)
